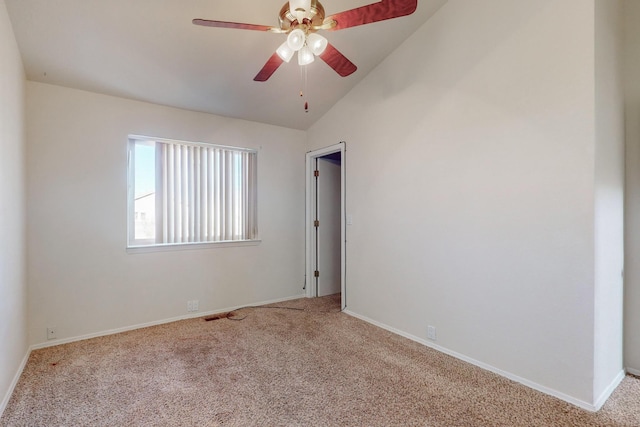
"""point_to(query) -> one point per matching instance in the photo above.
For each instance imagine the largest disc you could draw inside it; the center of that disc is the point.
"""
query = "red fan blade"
(384, 9)
(269, 68)
(338, 61)
(238, 25)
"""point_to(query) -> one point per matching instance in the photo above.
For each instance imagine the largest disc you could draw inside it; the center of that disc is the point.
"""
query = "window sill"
(191, 246)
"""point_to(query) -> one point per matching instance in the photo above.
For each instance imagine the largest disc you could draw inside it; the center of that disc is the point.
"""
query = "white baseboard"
(155, 323)
(609, 390)
(546, 390)
(633, 372)
(16, 378)
(569, 399)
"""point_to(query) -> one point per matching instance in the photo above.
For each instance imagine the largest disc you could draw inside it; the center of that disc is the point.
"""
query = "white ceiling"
(149, 50)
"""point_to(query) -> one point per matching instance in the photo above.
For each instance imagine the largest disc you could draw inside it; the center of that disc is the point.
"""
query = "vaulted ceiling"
(149, 50)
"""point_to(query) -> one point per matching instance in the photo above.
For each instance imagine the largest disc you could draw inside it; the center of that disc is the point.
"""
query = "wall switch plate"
(431, 332)
(51, 333)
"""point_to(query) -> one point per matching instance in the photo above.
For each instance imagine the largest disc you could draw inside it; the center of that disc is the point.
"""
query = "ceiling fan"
(302, 19)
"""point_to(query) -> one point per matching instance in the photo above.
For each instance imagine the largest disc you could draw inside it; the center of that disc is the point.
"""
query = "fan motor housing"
(313, 18)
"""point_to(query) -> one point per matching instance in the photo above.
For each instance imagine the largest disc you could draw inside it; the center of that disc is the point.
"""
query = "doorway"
(325, 222)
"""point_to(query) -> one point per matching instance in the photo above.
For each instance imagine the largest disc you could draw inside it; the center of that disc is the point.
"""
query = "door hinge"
(316, 273)
(316, 223)
(316, 173)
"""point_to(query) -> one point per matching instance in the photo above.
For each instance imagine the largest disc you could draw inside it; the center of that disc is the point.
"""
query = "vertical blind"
(205, 194)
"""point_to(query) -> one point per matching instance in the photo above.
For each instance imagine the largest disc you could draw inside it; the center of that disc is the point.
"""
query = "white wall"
(632, 189)
(81, 278)
(470, 178)
(13, 288)
(609, 196)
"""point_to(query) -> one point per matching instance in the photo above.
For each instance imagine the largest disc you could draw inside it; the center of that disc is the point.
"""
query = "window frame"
(147, 245)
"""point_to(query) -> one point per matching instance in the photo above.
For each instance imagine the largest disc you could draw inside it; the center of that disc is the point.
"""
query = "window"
(184, 193)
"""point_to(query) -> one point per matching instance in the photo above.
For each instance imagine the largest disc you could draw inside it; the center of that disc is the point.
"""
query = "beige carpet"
(310, 367)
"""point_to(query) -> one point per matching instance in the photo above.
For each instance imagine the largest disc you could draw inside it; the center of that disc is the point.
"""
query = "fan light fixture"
(285, 52)
(302, 38)
(307, 46)
(317, 43)
(305, 56)
(296, 39)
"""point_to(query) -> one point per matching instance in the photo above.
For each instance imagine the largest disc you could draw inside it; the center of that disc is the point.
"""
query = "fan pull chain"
(303, 91)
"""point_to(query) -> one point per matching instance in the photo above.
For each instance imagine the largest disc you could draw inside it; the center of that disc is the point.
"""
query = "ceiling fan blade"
(269, 68)
(238, 25)
(384, 9)
(338, 61)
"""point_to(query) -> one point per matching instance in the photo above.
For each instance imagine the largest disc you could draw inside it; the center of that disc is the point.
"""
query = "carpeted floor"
(279, 367)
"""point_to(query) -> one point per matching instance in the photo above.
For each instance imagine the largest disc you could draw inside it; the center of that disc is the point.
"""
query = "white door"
(328, 263)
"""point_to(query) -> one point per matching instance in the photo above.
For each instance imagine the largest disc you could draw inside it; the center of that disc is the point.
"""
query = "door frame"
(311, 157)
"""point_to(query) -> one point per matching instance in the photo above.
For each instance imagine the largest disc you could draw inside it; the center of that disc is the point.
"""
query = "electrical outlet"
(431, 332)
(51, 333)
(192, 305)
